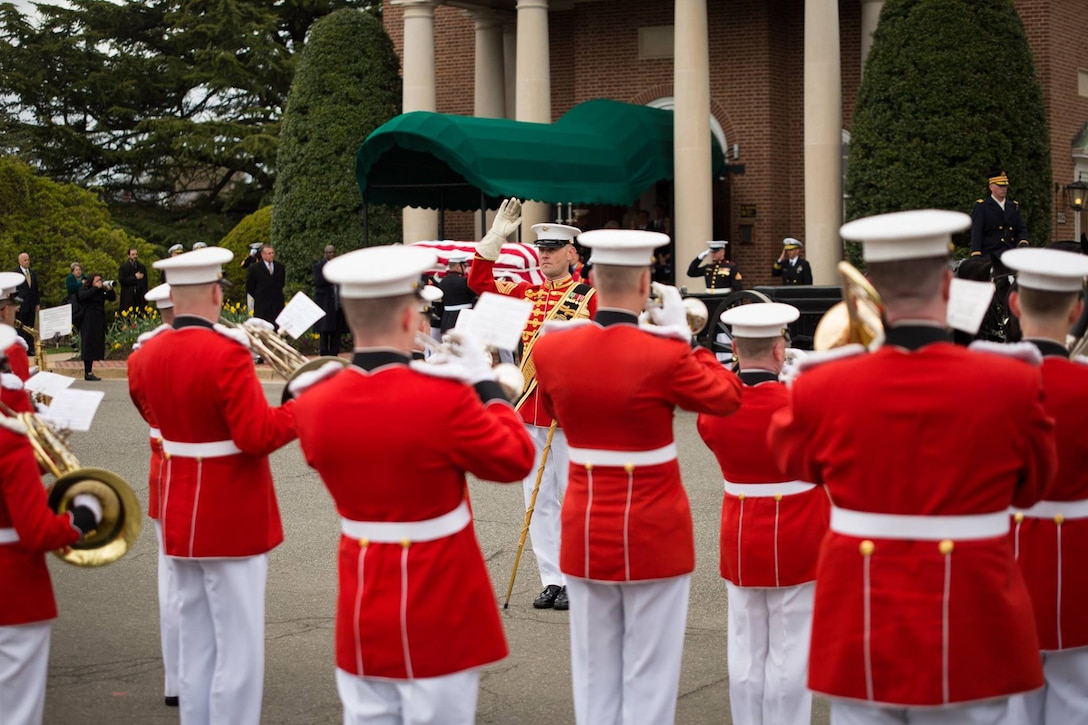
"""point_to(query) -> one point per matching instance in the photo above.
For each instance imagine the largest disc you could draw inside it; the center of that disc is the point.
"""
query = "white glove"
(704, 254)
(258, 324)
(507, 220)
(464, 358)
(91, 503)
(667, 313)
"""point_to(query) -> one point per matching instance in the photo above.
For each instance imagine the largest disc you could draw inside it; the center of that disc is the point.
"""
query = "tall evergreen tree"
(949, 92)
(346, 86)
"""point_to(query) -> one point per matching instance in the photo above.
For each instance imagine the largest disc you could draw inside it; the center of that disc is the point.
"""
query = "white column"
(823, 140)
(510, 62)
(692, 219)
(534, 88)
(870, 14)
(490, 79)
(419, 95)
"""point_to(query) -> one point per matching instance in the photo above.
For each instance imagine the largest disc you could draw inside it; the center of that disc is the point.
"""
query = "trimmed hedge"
(949, 92)
(346, 85)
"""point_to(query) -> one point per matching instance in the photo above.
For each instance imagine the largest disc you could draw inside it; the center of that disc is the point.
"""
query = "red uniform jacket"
(1062, 623)
(157, 465)
(545, 297)
(14, 395)
(936, 431)
(765, 542)
(615, 387)
(199, 386)
(426, 609)
(26, 592)
(18, 359)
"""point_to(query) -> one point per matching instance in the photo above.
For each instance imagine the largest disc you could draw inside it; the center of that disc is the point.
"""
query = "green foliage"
(160, 100)
(254, 229)
(127, 327)
(164, 226)
(57, 224)
(346, 86)
(949, 92)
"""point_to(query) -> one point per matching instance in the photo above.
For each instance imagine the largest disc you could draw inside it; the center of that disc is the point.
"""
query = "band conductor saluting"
(416, 614)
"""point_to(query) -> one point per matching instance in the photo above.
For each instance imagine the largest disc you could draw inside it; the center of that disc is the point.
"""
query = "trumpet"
(507, 375)
(695, 310)
(288, 362)
(859, 318)
(120, 524)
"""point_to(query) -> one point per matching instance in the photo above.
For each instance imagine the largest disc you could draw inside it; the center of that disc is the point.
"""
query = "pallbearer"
(771, 531)
(218, 510)
(627, 548)
(921, 615)
(1050, 539)
(28, 529)
(416, 614)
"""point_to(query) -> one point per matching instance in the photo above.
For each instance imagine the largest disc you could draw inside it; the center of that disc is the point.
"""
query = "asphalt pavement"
(105, 662)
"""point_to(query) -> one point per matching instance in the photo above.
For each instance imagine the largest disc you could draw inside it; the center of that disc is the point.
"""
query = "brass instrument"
(39, 354)
(288, 362)
(695, 310)
(507, 375)
(120, 524)
(859, 318)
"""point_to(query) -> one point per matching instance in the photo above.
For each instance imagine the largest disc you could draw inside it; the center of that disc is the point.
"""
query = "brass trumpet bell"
(120, 525)
(859, 318)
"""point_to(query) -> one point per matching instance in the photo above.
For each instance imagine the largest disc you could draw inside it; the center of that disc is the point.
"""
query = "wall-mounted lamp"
(1076, 194)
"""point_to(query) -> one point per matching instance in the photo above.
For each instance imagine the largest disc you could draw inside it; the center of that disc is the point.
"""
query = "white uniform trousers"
(545, 524)
(222, 639)
(24, 662)
(626, 643)
(1064, 698)
(768, 634)
(169, 631)
(991, 712)
(446, 700)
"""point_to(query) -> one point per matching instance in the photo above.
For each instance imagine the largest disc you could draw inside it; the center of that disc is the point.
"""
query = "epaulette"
(816, 359)
(305, 381)
(561, 325)
(19, 340)
(1024, 351)
(10, 381)
(231, 333)
(150, 334)
(13, 424)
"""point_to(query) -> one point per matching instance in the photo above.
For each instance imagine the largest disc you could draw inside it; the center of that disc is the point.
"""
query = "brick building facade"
(756, 96)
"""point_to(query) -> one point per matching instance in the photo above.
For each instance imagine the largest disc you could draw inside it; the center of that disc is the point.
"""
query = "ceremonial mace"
(529, 511)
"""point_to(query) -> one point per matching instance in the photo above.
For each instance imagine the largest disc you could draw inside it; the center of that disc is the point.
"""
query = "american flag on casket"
(519, 262)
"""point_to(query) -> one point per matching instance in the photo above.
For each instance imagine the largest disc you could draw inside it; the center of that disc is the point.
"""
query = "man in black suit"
(132, 275)
(332, 325)
(996, 224)
(30, 295)
(264, 282)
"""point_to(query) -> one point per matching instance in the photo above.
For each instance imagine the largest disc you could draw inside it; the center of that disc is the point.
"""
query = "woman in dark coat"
(92, 328)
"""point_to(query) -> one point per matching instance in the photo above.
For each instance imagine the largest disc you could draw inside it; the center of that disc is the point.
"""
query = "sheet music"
(55, 322)
(496, 320)
(48, 383)
(299, 315)
(967, 304)
(74, 409)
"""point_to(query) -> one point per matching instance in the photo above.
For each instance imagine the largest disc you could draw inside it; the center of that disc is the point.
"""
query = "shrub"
(253, 229)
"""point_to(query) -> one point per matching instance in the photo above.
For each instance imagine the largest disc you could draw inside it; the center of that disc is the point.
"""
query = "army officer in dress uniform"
(921, 615)
(1050, 539)
(721, 277)
(790, 265)
(416, 614)
(996, 223)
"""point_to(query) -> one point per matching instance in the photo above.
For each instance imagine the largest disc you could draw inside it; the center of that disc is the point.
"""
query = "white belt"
(212, 449)
(154, 433)
(391, 532)
(8, 536)
(767, 490)
(1053, 509)
(601, 457)
(454, 308)
(928, 528)
(719, 291)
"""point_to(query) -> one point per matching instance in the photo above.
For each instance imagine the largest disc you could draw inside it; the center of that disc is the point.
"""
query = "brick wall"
(756, 89)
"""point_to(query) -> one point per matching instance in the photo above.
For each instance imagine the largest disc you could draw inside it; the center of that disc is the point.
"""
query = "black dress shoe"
(171, 700)
(561, 601)
(91, 376)
(546, 600)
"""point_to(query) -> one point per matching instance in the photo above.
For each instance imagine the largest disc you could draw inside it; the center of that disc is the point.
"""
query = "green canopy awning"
(599, 152)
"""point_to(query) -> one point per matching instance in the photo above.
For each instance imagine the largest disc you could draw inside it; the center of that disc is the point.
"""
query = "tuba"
(288, 362)
(120, 524)
(859, 318)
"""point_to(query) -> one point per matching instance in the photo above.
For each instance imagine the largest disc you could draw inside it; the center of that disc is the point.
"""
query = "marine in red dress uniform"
(28, 529)
(12, 393)
(561, 298)
(1050, 539)
(627, 547)
(219, 514)
(770, 532)
(919, 603)
(416, 612)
